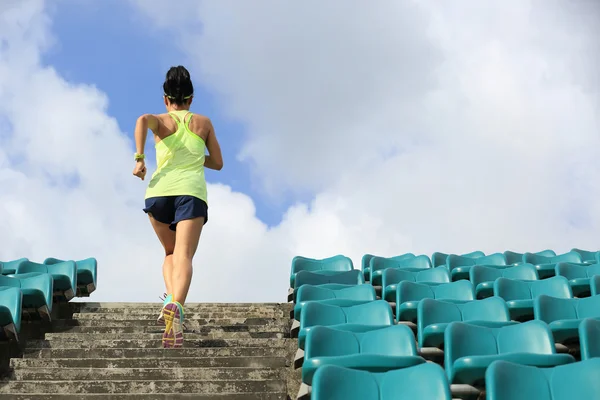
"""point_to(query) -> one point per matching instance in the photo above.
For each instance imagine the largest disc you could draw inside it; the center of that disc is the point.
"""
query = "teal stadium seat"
(589, 338)
(578, 275)
(510, 381)
(545, 265)
(10, 267)
(338, 263)
(434, 316)
(338, 295)
(483, 277)
(422, 382)
(332, 280)
(519, 295)
(379, 264)
(595, 285)
(37, 291)
(366, 262)
(587, 257)
(392, 276)
(563, 316)
(87, 273)
(439, 259)
(356, 318)
(459, 266)
(11, 308)
(409, 294)
(514, 258)
(379, 350)
(470, 349)
(64, 275)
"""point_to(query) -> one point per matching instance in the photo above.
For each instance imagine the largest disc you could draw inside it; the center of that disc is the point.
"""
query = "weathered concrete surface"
(113, 351)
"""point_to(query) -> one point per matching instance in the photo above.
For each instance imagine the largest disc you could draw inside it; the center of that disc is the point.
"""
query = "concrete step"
(142, 314)
(190, 319)
(142, 387)
(162, 396)
(217, 338)
(146, 374)
(143, 341)
(137, 330)
(154, 353)
(274, 326)
(225, 307)
(189, 361)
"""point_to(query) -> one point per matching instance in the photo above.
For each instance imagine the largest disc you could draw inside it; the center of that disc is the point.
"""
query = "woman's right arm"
(214, 159)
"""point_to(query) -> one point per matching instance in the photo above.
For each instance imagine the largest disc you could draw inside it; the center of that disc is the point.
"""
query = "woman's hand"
(140, 169)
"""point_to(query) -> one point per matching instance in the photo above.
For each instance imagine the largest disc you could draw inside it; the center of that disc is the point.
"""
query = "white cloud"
(420, 127)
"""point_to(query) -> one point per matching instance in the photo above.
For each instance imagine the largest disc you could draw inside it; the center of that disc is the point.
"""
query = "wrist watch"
(138, 156)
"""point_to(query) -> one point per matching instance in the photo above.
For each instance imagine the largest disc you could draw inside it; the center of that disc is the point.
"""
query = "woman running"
(176, 200)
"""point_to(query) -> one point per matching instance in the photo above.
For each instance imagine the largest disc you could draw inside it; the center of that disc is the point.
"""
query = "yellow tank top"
(179, 162)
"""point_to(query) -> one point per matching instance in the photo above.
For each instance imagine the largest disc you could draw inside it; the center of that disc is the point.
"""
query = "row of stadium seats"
(342, 326)
(29, 286)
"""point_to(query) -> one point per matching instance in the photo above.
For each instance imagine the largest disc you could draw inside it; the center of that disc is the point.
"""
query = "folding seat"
(379, 350)
(434, 316)
(379, 264)
(11, 308)
(334, 264)
(589, 338)
(409, 294)
(439, 258)
(545, 265)
(459, 266)
(87, 272)
(10, 267)
(422, 382)
(64, 275)
(342, 294)
(470, 349)
(332, 280)
(519, 295)
(483, 277)
(587, 257)
(37, 291)
(514, 258)
(578, 275)
(366, 262)
(563, 316)
(511, 381)
(595, 285)
(391, 277)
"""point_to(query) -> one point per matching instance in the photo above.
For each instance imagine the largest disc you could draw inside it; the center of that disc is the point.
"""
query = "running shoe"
(161, 317)
(173, 317)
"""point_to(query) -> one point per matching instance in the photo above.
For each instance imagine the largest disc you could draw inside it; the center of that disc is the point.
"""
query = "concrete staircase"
(113, 351)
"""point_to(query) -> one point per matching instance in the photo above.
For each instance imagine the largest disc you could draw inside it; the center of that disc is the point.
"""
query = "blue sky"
(104, 44)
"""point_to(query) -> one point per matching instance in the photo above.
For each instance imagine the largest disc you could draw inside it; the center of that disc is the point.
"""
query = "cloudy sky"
(347, 127)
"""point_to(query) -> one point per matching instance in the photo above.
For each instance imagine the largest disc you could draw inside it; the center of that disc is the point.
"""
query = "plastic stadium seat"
(514, 258)
(438, 258)
(595, 285)
(392, 276)
(434, 316)
(338, 263)
(563, 316)
(545, 265)
(587, 257)
(10, 267)
(366, 262)
(379, 264)
(37, 290)
(87, 272)
(356, 318)
(409, 294)
(589, 338)
(459, 266)
(379, 350)
(422, 382)
(519, 295)
(578, 275)
(64, 275)
(11, 307)
(349, 278)
(510, 381)
(483, 277)
(470, 349)
(307, 293)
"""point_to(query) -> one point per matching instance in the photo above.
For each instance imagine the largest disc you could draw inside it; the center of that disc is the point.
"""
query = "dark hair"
(178, 85)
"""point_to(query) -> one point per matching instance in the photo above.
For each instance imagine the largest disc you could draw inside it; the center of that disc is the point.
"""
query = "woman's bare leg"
(167, 238)
(186, 244)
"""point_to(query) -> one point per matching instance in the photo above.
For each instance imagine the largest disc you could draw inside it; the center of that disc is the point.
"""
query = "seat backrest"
(550, 309)
(481, 273)
(358, 292)
(335, 263)
(431, 311)
(527, 337)
(588, 307)
(366, 259)
(433, 275)
(462, 339)
(589, 338)
(454, 261)
(511, 289)
(523, 272)
(8, 281)
(393, 276)
(459, 290)
(331, 382)
(353, 277)
(592, 270)
(30, 266)
(585, 254)
(375, 313)
(571, 270)
(490, 309)
(492, 259)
